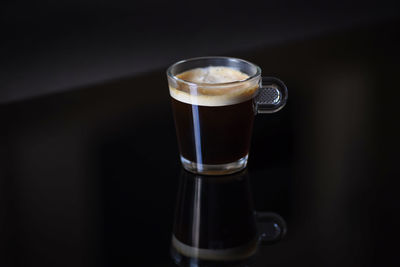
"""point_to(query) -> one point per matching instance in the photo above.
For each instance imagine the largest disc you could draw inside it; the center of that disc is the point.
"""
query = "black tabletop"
(89, 177)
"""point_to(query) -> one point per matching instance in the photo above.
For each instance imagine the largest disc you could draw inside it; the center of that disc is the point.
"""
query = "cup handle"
(271, 97)
(271, 227)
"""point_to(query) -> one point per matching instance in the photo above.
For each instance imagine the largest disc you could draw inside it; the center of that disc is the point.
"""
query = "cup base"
(214, 169)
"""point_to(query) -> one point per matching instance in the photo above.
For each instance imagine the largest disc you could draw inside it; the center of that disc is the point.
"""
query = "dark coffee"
(214, 113)
(213, 134)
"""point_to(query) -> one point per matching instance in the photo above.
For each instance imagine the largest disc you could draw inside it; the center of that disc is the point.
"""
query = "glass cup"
(214, 121)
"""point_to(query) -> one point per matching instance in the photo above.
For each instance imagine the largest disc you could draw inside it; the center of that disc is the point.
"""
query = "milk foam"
(210, 89)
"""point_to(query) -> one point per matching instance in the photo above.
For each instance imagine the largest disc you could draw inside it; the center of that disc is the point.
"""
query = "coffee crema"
(213, 75)
(214, 86)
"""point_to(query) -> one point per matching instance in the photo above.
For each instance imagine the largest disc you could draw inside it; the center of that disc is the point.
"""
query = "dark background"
(88, 158)
(53, 46)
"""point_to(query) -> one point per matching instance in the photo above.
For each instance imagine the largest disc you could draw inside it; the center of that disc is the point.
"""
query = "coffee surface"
(213, 75)
(214, 86)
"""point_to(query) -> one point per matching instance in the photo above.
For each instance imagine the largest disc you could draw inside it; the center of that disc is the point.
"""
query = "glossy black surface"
(89, 177)
(214, 212)
(215, 223)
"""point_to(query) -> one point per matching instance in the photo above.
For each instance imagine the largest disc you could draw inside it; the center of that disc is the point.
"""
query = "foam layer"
(211, 90)
(213, 75)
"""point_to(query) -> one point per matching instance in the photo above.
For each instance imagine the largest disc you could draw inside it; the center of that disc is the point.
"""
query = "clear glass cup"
(214, 121)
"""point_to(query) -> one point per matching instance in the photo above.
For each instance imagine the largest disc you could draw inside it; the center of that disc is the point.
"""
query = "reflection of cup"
(215, 220)
(214, 100)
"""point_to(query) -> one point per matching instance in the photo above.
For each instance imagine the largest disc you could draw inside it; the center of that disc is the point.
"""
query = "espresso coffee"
(214, 122)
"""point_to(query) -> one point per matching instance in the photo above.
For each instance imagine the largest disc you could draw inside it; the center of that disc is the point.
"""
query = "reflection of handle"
(272, 96)
(271, 227)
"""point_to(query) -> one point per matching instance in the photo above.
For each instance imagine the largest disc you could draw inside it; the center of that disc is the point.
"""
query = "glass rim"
(172, 76)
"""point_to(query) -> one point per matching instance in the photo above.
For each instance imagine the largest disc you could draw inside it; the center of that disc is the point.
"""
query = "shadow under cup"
(214, 121)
